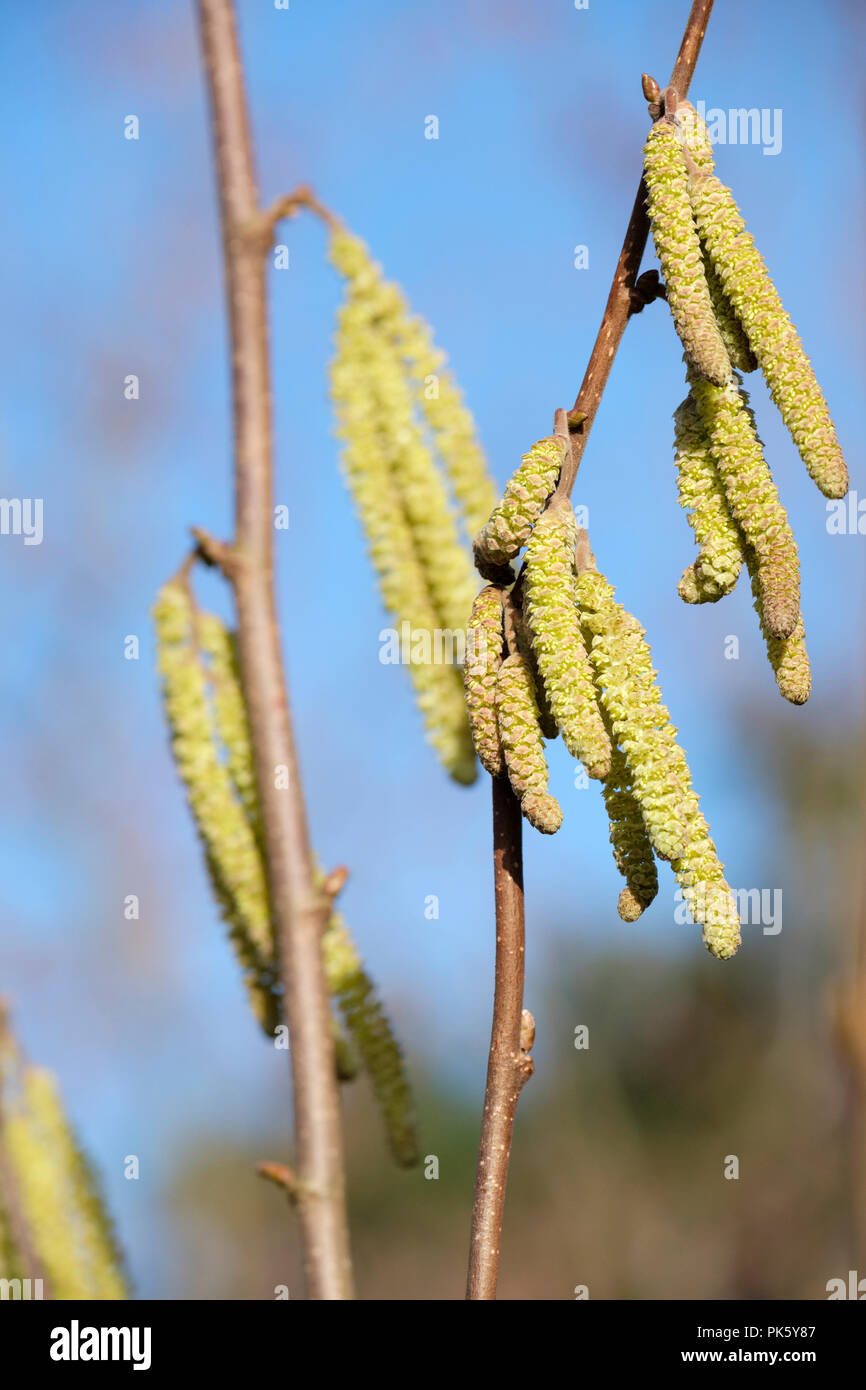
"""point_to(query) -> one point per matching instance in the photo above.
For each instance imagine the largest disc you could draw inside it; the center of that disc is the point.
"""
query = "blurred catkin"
(424, 572)
(679, 251)
(522, 744)
(557, 640)
(752, 497)
(56, 1190)
(771, 334)
(702, 494)
(483, 659)
(526, 492)
(231, 850)
(371, 1033)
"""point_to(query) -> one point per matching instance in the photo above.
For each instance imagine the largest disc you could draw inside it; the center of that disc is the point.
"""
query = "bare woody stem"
(621, 303)
(298, 909)
(509, 1065)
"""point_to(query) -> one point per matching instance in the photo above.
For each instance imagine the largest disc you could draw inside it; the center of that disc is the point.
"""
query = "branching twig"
(298, 909)
(508, 1066)
(620, 303)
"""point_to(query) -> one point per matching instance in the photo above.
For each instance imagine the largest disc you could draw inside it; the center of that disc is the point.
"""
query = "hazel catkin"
(679, 252)
(702, 494)
(522, 745)
(484, 639)
(772, 336)
(512, 520)
(557, 640)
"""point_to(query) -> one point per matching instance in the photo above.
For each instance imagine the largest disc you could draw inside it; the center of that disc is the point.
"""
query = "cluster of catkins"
(419, 481)
(556, 654)
(730, 321)
(53, 1222)
(210, 741)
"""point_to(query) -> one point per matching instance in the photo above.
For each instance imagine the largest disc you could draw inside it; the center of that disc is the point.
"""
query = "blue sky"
(112, 267)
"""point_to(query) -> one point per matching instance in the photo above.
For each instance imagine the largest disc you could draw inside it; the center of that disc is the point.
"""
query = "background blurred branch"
(299, 910)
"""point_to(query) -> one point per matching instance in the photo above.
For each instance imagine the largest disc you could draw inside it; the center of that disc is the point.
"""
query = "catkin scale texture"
(787, 656)
(512, 520)
(679, 251)
(522, 745)
(702, 494)
(772, 335)
(752, 497)
(483, 659)
(632, 851)
(558, 642)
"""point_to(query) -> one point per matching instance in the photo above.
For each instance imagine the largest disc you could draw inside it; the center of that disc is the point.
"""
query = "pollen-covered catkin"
(522, 745)
(701, 877)
(483, 658)
(679, 251)
(788, 656)
(220, 646)
(640, 723)
(557, 639)
(369, 1029)
(702, 494)
(512, 520)
(752, 497)
(632, 851)
(231, 851)
(694, 135)
(59, 1200)
(732, 332)
(403, 581)
(772, 335)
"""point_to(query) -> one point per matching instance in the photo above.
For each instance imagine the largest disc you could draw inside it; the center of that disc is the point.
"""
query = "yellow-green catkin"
(753, 498)
(639, 720)
(220, 646)
(451, 424)
(371, 1033)
(679, 251)
(632, 851)
(527, 491)
(788, 656)
(231, 850)
(772, 336)
(483, 658)
(364, 378)
(557, 640)
(523, 746)
(59, 1199)
(702, 494)
(660, 777)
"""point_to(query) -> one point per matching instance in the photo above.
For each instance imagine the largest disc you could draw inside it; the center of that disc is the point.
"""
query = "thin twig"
(508, 1067)
(621, 302)
(298, 908)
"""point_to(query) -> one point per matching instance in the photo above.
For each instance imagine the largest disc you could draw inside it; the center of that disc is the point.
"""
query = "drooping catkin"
(483, 658)
(369, 1029)
(694, 135)
(57, 1192)
(632, 851)
(512, 519)
(403, 583)
(752, 497)
(219, 644)
(661, 780)
(231, 851)
(557, 640)
(787, 656)
(639, 720)
(772, 336)
(522, 744)
(679, 251)
(702, 494)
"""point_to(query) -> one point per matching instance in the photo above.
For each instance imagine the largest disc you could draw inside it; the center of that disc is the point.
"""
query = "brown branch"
(298, 909)
(621, 302)
(508, 1066)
